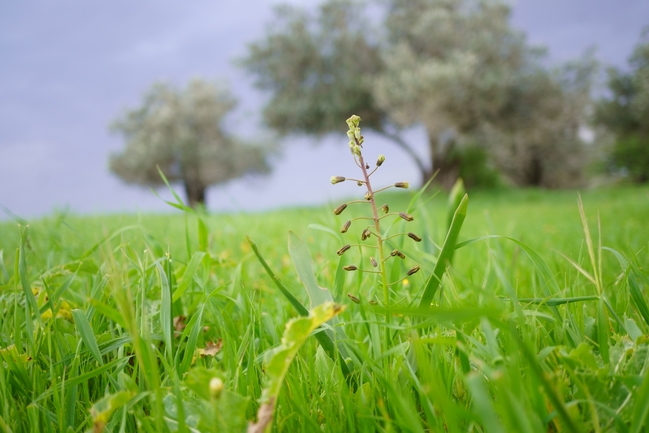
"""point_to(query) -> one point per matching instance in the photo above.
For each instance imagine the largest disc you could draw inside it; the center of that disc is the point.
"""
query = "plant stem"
(379, 243)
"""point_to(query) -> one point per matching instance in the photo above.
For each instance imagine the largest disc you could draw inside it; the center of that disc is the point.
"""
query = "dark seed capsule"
(337, 179)
(340, 209)
(402, 185)
(373, 262)
(405, 216)
(414, 237)
(345, 227)
(398, 253)
(366, 234)
(354, 299)
(385, 208)
(343, 250)
(367, 166)
(413, 270)
(350, 268)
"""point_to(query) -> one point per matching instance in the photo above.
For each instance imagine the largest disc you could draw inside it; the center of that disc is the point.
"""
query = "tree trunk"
(195, 192)
(442, 162)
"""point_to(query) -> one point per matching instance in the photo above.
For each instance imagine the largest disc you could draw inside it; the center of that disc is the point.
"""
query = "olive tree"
(455, 67)
(625, 113)
(181, 132)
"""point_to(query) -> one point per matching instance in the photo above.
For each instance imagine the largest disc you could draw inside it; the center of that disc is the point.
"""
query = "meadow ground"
(123, 322)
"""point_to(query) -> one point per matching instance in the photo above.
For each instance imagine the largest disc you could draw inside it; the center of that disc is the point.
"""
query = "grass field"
(160, 323)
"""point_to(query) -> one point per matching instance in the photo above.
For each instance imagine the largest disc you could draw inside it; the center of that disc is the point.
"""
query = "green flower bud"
(345, 227)
(343, 250)
(350, 135)
(380, 160)
(353, 122)
(413, 270)
(356, 150)
(340, 209)
(368, 196)
(337, 179)
(405, 185)
(357, 133)
(360, 183)
(405, 216)
(373, 302)
(354, 299)
(414, 237)
(385, 208)
(350, 268)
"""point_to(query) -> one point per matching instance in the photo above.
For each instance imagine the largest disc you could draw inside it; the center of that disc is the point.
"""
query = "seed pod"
(373, 262)
(373, 302)
(367, 166)
(368, 196)
(385, 208)
(380, 160)
(413, 270)
(340, 209)
(405, 185)
(350, 268)
(359, 183)
(398, 253)
(414, 237)
(345, 227)
(343, 250)
(405, 216)
(337, 179)
(354, 299)
(366, 234)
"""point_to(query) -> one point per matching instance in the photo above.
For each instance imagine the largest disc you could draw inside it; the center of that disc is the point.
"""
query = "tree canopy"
(456, 67)
(626, 113)
(181, 131)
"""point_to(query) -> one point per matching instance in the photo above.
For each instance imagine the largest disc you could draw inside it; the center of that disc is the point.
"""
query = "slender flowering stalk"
(356, 141)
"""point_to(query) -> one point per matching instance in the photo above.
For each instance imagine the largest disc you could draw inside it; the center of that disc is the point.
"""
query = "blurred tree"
(181, 132)
(454, 66)
(626, 113)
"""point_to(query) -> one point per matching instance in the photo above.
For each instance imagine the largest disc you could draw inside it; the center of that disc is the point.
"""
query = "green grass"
(546, 332)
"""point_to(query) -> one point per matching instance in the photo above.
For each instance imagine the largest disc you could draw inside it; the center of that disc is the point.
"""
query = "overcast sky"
(67, 68)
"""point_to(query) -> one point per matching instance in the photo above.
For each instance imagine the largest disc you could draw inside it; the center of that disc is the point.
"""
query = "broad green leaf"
(203, 235)
(278, 360)
(641, 409)
(87, 334)
(454, 199)
(188, 275)
(324, 338)
(434, 281)
(103, 409)
(304, 267)
(166, 319)
(287, 293)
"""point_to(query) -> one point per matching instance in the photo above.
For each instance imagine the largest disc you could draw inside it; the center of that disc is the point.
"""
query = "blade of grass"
(435, 280)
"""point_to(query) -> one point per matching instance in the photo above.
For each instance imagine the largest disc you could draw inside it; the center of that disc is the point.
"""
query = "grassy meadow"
(127, 323)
